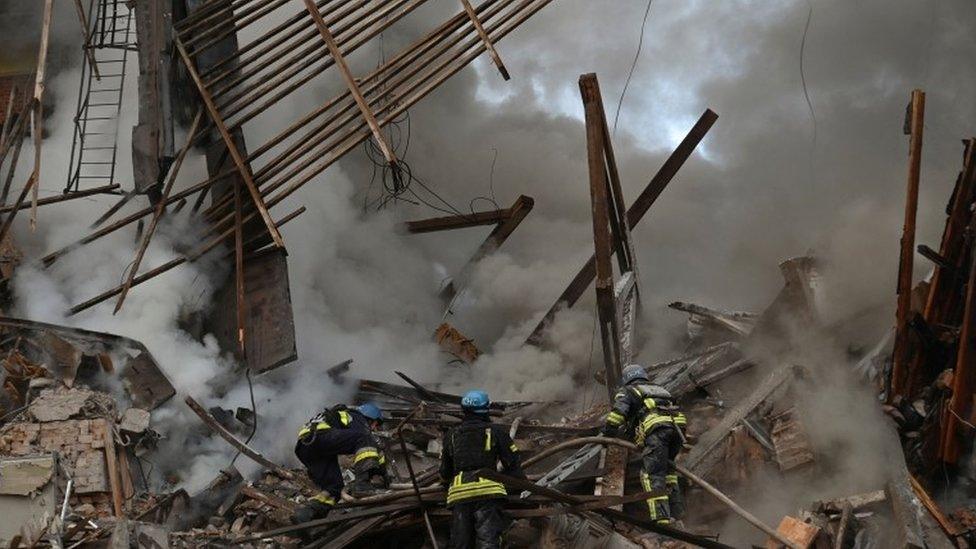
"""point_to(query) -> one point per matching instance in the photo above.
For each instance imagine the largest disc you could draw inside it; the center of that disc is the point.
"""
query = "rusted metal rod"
(39, 87)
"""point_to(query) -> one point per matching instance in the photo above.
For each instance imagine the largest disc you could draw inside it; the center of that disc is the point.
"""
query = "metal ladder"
(94, 148)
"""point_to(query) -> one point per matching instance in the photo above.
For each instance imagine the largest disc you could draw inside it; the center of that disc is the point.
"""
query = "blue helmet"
(632, 372)
(371, 411)
(476, 401)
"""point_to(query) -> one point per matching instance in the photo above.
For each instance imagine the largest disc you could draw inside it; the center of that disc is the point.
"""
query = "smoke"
(756, 191)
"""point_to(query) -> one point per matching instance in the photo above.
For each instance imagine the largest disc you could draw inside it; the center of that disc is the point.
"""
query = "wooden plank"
(705, 454)
(235, 154)
(964, 376)
(269, 499)
(515, 215)
(125, 473)
(340, 62)
(589, 90)
(57, 199)
(947, 526)
(452, 222)
(855, 502)
(111, 460)
(39, 106)
(635, 213)
(900, 374)
(270, 323)
(497, 59)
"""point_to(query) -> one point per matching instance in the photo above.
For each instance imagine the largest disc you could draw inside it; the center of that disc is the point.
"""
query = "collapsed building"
(80, 409)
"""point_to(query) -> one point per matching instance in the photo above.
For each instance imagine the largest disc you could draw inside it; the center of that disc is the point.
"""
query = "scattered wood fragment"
(799, 534)
(220, 430)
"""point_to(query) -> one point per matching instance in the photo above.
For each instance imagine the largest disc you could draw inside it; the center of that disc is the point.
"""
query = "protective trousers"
(478, 524)
(320, 449)
(661, 446)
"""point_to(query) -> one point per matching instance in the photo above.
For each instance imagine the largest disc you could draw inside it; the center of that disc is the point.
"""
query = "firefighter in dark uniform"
(649, 415)
(340, 431)
(476, 503)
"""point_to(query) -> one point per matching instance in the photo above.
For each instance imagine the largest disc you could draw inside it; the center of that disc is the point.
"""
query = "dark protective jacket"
(641, 407)
(332, 433)
(473, 445)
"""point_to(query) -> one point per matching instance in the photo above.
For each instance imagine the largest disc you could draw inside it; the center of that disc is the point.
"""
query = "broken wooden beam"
(705, 454)
(38, 107)
(357, 94)
(915, 123)
(497, 59)
(456, 344)
(727, 501)
(514, 217)
(635, 213)
(452, 222)
(105, 189)
(221, 431)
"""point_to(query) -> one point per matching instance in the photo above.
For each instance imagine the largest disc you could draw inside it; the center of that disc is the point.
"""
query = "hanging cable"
(633, 66)
(803, 79)
(254, 414)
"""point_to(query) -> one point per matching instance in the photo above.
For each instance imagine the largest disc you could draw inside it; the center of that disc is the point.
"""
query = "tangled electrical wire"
(398, 182)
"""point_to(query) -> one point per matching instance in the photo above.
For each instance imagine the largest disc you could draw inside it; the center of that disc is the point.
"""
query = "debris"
(134, 421)
(79, 409)
(31, 490)
(799, 534)
(454, 343)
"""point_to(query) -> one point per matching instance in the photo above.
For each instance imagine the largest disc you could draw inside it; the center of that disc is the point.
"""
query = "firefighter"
(648, 413)
(476, 503)
(334, 432)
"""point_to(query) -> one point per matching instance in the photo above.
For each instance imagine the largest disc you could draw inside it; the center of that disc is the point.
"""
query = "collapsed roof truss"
(242, 86)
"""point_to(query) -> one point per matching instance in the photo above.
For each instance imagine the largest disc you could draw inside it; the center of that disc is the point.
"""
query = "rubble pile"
(81, 410)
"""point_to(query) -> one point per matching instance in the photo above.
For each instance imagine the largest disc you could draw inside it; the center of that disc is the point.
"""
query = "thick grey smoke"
(756, 192)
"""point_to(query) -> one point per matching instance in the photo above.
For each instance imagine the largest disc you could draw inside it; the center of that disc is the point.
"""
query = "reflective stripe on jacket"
(319, 424)
(474, 445)
(640, 408)
(474, 488)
